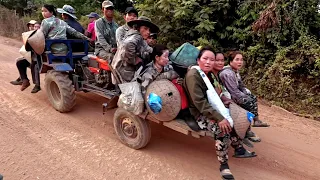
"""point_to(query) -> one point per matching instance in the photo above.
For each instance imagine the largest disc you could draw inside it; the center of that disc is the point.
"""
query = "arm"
(230, 82)
(119, 35)
(99, 35)
(194, 85)
(130, 53)
(45, 28)
(76, 34)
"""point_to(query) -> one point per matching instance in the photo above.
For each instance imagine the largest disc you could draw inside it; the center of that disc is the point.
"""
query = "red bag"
(184, 99)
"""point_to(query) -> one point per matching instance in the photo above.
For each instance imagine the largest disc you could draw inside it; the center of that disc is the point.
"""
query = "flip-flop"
(226, 174)
(260, 124)
(254, 139)
(247, 154)
(247, 142)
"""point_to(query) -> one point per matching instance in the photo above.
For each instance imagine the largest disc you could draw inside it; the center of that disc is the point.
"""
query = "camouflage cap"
(107, 4)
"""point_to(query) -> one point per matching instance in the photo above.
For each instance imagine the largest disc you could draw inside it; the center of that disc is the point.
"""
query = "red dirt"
(37, 142)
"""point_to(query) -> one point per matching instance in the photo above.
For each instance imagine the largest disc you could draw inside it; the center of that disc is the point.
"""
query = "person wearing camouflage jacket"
(105, 29)
(134, 49)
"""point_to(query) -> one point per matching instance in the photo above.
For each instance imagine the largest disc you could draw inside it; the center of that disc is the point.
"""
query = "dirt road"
(37, 142)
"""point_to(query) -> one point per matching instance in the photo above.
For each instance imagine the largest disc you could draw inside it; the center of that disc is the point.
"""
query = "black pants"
(22, 66)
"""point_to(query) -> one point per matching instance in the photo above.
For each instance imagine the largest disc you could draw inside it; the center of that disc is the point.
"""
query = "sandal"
(247, 142)
(226, 174)
(259, 123)
(247, 154)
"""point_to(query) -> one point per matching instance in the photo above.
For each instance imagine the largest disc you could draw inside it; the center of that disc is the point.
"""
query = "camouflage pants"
(222, 140)
(250, 104)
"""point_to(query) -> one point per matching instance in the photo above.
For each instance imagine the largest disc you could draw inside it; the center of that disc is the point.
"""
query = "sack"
(186, 55)
(131, 97)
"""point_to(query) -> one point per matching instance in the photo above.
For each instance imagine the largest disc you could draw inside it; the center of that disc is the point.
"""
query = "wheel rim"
(55, 92)
(128, 128)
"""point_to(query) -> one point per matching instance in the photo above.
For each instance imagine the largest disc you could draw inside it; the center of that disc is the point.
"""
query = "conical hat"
(34, 40)
(26, 54)
(241, 122)
(170, 96)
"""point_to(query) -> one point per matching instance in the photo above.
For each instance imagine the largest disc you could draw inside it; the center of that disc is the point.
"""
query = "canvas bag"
(214, 98)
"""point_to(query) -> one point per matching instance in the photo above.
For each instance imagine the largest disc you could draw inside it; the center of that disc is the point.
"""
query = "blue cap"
(93, 15)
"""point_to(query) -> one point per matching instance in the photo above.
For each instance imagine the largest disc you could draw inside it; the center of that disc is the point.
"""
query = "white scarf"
(213, 97)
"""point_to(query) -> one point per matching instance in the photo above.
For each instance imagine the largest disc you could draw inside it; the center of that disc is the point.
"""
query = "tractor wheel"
(132, 131)
(60, 91)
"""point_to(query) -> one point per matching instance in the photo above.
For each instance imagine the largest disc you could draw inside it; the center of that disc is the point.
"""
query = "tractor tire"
(132, 131)
(60, 91)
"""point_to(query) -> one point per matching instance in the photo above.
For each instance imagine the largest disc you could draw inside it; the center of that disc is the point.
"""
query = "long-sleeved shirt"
(232, 81)
(106, 35)
(120, 33)
(150, 74)
(75, 25)
(196, 90)
(54, 28)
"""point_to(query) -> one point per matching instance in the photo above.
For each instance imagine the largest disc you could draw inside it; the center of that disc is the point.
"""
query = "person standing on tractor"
(105, 29)
(130, 14)
(90, 30)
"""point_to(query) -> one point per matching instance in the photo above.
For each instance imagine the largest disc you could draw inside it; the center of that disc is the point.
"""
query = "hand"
(138, 60)
(226, 101)
(113, 50)
(225, 127)
(180, 81)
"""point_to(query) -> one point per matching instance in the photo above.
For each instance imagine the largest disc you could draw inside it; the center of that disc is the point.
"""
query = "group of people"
(133, 45)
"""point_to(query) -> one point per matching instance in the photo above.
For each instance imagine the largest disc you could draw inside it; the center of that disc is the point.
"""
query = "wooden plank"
(175, 125)
(149, 117)
(195, 134)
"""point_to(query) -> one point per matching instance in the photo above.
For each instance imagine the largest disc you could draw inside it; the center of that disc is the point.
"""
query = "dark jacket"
(196, 91)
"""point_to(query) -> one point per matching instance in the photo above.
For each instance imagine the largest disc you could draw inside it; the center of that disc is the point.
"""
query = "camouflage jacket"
(131, 51)
(151, 74)
(54, 28)
(120, 33)
(106, 35)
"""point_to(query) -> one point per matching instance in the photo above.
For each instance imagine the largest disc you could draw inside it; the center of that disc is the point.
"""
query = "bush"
(10, 24)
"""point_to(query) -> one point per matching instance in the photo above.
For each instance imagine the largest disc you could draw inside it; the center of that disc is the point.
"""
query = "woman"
(210, 119)
(159, 68)
(134, 50)
(54, 28)
(226, 96)
(231, 78)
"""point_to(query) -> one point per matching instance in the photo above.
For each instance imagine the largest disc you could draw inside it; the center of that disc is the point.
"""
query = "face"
(64, 16)
(163, 60)
(36, 26)
(151, 41)
(92, 19)
(237, 62)
(145, 32)
(130, 17)
(46, 13)
(206, 61)
(31, 27)
(108, 12)
(219, 62)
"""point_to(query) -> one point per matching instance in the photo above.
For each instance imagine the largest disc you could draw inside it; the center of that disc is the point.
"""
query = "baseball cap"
(107, 4)
(93, 15)
(131, 10)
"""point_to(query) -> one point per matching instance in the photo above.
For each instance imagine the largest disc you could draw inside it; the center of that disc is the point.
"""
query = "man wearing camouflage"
(130, 14)
(105, 28)
(132, 52)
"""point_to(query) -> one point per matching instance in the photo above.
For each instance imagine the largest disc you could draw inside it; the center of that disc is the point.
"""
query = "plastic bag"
(155, 103)
(131, 97)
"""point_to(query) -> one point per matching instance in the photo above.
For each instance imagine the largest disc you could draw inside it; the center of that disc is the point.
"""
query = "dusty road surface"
(37, 142)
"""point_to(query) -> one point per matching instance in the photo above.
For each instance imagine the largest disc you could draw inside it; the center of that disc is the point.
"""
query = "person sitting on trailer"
(207, 117)
(159, 68)
(132, 53)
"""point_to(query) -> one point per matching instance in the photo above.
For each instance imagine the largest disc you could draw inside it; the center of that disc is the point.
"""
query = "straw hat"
(241, 122)
(170, 97)
(34, 40)
(144, 21)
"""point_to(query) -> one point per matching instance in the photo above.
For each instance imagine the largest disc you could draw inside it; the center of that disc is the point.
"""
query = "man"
(90, 30)
(105, 29)
(152, 39)
(68, 15)
(130, 14)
